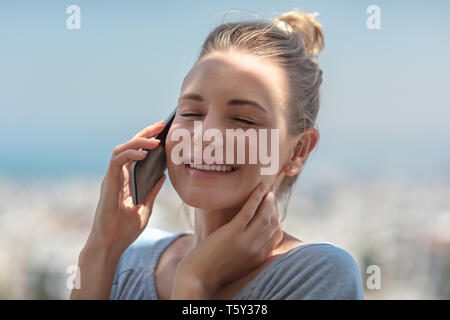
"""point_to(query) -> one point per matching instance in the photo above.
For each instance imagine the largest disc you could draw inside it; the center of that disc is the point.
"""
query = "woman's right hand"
(117, 222)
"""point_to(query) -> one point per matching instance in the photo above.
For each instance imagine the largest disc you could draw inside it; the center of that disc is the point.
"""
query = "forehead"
(221, 75)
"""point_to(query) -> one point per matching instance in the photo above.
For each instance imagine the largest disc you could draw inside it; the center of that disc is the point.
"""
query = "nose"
(211, 127)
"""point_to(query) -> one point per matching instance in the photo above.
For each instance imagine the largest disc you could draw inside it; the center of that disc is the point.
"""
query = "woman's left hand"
(233, 250)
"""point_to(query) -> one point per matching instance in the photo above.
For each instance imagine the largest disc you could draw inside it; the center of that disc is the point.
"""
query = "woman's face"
(210, 95)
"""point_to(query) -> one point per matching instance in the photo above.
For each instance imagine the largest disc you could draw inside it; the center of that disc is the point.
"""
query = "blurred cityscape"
(403, 227)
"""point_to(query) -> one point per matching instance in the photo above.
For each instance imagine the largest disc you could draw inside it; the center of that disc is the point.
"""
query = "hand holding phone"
(145, 173)
(117, 222)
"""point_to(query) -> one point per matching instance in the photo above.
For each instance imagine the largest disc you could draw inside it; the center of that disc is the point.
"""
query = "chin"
(205, 201)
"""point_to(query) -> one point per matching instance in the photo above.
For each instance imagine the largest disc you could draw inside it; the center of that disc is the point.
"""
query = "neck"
(208, 221)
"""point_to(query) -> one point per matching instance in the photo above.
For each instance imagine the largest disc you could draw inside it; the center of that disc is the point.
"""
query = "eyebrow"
(232, 102)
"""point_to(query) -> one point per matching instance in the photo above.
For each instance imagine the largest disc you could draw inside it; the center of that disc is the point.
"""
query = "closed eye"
(191, 115)
(245, 121)
(199, 115)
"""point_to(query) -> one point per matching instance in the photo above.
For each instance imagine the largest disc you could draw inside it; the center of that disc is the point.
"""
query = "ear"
(304, 145)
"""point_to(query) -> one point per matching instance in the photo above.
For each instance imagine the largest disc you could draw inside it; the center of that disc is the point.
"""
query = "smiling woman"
(255, 75)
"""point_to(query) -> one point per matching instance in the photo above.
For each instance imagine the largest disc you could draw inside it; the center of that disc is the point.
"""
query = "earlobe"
(293, 169)
(296, 163)
(287, 171)
(300, 153)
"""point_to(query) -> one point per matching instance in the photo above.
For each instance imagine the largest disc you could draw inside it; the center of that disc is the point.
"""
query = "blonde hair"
(292, 41)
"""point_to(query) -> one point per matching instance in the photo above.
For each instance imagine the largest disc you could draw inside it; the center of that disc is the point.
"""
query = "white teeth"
(207, 167)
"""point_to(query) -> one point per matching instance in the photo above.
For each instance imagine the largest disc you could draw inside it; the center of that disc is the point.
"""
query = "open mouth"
(212, 168)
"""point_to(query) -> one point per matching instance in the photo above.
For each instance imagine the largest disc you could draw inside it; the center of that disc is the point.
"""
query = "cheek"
(175, 138)
(269, 152)
(169, 147)
(172, 168)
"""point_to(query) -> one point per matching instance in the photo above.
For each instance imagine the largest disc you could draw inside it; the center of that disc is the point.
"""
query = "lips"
(205, 175)
(187, 162)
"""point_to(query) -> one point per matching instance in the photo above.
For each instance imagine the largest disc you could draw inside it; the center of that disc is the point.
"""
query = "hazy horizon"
(68, 97)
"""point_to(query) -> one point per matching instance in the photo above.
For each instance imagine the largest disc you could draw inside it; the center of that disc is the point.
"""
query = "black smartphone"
(146, 172)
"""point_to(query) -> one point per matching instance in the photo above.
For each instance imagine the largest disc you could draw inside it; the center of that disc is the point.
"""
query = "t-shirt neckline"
(249, 286)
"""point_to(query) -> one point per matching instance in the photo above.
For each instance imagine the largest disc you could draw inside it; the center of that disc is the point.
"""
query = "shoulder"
(144, 248)
(316, 271)
(323, 255)
(135, 267)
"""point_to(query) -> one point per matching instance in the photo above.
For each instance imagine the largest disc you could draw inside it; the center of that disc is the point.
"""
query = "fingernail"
(160, 123)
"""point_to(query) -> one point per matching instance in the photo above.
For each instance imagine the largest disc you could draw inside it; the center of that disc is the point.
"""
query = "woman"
(260, 75)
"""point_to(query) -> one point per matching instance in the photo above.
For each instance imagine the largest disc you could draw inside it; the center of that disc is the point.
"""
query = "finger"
(116, 163)
(151, 130)
(249, 208)
(126, 180)
(126, 175)
(127, 165)
(262, 218)
(272, 243)
(147, 205)
(136, 143)
(265, 234)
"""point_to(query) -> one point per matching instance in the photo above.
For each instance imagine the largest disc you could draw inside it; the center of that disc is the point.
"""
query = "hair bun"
(309, 28)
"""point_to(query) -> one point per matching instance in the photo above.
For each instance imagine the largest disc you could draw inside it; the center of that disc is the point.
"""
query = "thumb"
(245, 215)
(145, 208)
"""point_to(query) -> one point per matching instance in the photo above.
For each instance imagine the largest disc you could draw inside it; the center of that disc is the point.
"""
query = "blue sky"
(68, 97)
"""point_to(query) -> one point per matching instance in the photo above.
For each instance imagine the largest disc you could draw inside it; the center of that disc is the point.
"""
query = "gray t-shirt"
(309, 271)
